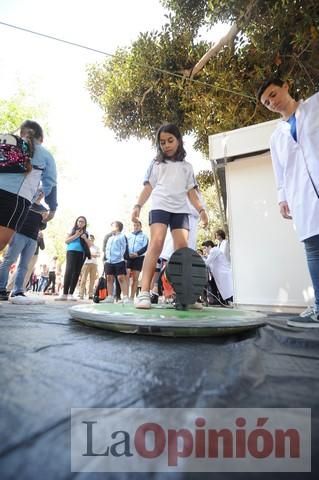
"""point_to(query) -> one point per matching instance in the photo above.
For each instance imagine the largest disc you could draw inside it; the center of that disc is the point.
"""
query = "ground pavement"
(50, 364)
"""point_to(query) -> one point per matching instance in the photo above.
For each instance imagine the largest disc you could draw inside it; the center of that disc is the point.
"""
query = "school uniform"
(170, 181)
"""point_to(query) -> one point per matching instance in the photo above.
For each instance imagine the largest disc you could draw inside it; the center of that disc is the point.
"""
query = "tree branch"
(247, 122)
(216, 48)
(225, 40)
(145, 95)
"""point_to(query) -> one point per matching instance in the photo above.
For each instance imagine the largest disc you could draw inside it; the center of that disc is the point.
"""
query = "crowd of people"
(48, 279)
(127, 258)
(176, 203)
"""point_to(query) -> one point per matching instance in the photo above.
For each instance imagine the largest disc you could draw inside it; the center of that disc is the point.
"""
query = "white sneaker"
(309, 311)
(127, 301)
(109, 299)
(143, 300)
(61, 298)
(72, 298)
(196, 306)
(24, 300)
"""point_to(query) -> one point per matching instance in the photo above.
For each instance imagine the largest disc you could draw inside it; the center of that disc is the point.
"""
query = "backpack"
(100, 292)
(15, 154)
(167, 287)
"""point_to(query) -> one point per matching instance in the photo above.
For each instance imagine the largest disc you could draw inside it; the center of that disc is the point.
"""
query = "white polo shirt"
(170, 182)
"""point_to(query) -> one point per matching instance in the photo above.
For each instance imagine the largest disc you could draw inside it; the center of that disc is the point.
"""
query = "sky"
(100, 177)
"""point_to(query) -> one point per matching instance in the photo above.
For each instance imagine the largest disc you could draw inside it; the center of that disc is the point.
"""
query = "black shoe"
(19, 294)
(310, 321)
(90, 298)
(154, 297)
(4, 295)
(187, 273)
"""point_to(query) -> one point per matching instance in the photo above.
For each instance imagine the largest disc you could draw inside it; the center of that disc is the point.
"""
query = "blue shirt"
(293, 126)
(116, 248)
(75, 245)
(137, 242)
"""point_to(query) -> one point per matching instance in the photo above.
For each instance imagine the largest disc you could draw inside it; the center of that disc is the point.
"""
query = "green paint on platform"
(167, 312)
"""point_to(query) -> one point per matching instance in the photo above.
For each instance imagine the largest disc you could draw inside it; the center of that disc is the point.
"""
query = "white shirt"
(224, 247)
(221, 271)
(53, 265)
(94, 251)
(170, 182)
(289, 162)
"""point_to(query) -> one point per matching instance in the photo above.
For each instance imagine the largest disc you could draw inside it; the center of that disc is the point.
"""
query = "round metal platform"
(167, 321)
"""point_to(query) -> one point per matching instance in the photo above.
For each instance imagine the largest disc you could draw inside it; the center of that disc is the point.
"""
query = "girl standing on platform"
(169, 181)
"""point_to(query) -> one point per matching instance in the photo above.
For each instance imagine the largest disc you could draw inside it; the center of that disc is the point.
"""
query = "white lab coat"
(220, 268)
(224, 246)
(168, 248)
(193, 218)
(289, 162)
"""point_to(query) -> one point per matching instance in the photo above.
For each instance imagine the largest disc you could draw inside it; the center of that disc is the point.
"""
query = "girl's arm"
(142, 199)
(70, 237)
(87, 240)
(193, 198)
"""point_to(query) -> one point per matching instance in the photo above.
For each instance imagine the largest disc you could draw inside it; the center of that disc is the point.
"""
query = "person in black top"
(23, 243)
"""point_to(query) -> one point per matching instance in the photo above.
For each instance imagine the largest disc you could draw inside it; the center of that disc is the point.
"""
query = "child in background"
(116, 251)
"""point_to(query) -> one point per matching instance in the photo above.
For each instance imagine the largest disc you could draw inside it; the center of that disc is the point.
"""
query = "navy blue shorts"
(135, 264)
(13, 209)
(115, 268)
(173, 220)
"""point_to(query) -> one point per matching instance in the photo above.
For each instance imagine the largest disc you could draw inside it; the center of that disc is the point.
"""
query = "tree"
(16, 109)
(174, 75)
(151, 81)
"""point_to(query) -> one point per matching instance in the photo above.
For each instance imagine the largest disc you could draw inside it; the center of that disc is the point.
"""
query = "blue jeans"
(312, 254)
(43, 282)
(25, 247)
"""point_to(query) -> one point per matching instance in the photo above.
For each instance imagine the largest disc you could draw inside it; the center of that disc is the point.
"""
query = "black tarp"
(50, 364)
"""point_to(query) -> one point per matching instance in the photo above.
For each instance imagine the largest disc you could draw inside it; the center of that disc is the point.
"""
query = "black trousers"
(52, 278)
(74, 263)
